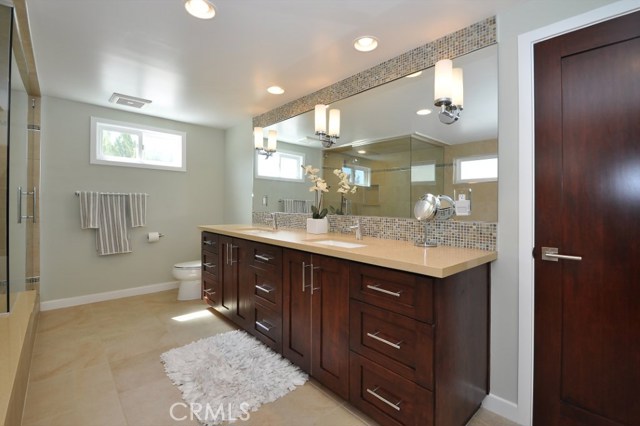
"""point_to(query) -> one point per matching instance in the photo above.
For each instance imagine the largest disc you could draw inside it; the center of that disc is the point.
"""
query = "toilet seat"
(193, 264)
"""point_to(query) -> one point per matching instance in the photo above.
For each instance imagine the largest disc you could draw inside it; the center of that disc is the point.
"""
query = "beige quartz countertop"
(437, 262)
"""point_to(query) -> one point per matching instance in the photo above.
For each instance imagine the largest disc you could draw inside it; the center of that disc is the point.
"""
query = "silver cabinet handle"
(313, 269)
(264, 327)
(303, 277)
(208, 243)
(20, 204)
(263, 288)
(209, 265)
(209, 292)
(231, 260)
(263, 257)
(385, 341)
(382, 290)
(395, 406)
(551, 254)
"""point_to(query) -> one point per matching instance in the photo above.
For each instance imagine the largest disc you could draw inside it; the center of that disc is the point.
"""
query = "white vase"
(318, 226)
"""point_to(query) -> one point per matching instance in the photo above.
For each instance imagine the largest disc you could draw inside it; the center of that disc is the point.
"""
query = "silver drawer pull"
(385, 341)
(208, 242)
(551, 254)
(209, 265)
(264, 327)
(263, 288)
(263, 257)
(209, 292)
(395, 406)
(382, 290)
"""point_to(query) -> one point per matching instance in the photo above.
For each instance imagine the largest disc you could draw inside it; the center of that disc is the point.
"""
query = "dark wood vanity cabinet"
(419, 345)
(263, 284)
(405, 348)
(316, 317)
(211, 291)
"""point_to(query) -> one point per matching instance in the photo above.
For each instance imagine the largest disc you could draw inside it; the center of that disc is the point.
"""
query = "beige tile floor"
(99, 365)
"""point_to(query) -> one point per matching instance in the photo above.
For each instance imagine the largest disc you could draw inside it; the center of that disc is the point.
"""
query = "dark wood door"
(330, 323)
(587, 196)
(296, 308)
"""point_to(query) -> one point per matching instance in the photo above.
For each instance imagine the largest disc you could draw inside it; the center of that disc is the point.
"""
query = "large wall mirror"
(393, 154)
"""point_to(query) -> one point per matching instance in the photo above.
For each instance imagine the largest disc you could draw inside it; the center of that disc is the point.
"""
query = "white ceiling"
(215, 72)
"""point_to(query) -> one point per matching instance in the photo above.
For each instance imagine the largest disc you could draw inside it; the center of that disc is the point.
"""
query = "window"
(282, 165)
(124, 144)
(476, 169)
(423, 173)
(358, 175)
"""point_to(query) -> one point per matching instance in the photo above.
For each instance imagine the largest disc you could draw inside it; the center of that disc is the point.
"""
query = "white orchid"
(319, 186)
(345, 188)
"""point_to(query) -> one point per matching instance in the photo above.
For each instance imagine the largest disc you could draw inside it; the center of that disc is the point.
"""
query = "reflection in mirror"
(395, 155)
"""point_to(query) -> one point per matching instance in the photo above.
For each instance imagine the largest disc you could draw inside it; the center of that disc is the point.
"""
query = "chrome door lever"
(551, 254)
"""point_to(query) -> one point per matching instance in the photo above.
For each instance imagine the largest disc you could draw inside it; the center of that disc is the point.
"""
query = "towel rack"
(34, 198)
(113, 193)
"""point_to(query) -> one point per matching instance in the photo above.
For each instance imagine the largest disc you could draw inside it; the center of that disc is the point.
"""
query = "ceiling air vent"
(130, 101)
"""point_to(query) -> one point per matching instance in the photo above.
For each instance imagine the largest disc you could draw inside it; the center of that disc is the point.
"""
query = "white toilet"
(188, 273)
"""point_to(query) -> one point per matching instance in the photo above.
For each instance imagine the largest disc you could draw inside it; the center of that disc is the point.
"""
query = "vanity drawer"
(400, 343)
(267, 291)
(268, 328)
(210, 290)
(401, 292)
(210, 242)
(387, 397)
(210, 264)
(265, 257)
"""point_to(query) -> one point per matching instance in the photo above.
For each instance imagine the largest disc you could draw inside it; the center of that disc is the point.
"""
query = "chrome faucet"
(358, 229)
(274, 221)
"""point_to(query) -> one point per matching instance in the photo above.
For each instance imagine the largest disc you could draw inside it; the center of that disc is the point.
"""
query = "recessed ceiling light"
(415, 74)
(362, 151)
(275, 90)
(423, 111)
(202, 9)
(365, 43)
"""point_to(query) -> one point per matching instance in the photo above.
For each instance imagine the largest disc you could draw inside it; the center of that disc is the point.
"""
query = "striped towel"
(138, 209)
(89, 209)
(112, 236)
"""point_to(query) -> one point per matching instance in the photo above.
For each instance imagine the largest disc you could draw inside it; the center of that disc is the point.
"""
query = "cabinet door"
(330, 323)
(243, 313)
(228, 270)
(296, 327)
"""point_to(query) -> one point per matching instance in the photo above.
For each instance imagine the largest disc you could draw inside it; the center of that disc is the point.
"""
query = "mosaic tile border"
(474, 37)
(477, 235)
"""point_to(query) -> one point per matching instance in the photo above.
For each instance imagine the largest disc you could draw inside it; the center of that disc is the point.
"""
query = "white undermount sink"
(336, 243)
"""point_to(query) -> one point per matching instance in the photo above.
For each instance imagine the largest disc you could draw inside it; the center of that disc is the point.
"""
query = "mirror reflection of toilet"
(188, 273)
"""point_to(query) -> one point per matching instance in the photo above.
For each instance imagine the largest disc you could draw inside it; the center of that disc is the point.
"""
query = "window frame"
(423, 164)
(367, 173)
(457, 168)
(96, 156)
(301, 155)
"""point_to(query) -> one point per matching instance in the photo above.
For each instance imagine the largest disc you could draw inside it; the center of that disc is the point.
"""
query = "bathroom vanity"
(401, 332)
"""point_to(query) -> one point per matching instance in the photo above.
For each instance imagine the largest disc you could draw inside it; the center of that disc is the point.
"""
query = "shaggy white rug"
(224, 377)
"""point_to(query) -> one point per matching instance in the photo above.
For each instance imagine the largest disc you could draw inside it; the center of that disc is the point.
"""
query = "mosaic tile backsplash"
(477, 235)
(474, 37)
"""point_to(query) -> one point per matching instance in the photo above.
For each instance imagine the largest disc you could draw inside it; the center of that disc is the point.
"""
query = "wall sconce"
(330, 137)
(258, 140)
(448, 91)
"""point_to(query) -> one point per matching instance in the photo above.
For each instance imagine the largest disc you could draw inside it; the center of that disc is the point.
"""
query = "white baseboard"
(109, 295)
(502, 407)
